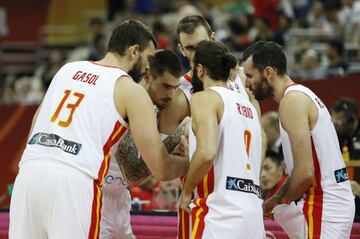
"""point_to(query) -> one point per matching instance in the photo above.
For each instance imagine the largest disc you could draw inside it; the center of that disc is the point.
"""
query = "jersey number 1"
(70, 106)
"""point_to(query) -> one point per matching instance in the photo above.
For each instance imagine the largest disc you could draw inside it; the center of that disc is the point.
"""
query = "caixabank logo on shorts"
(243, 185)
(341, 175)
(53, 140)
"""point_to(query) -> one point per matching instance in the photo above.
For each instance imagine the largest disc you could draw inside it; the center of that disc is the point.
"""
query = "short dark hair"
(277, 158)
(189, 24)
(348, 106)
(216, 58)
(129, 33)
(266, 53)
(165, 60)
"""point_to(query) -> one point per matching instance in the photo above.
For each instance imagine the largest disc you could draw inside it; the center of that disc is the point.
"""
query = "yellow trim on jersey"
(206, 190)
(197, 219)
(310, 212)
(98, 198)
(117, 132)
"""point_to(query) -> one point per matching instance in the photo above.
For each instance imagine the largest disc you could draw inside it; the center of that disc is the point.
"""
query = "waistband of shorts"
(52, 166)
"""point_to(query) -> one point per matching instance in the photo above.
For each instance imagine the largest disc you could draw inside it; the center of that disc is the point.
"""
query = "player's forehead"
(168, 79)
(149, 51)
(192, 39)
(248, 66)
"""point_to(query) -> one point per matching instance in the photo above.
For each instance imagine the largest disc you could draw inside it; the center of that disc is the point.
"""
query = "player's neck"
(209, 83)
(280, 87)
(115, 60)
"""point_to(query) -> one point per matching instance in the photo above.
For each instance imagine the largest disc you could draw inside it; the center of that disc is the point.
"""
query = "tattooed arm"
(130, 162)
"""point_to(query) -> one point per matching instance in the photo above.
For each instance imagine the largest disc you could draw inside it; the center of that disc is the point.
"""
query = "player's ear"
(133, 51)
(268, 73)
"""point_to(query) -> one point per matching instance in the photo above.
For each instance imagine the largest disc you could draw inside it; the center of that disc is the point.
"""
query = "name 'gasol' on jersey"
(85, 77)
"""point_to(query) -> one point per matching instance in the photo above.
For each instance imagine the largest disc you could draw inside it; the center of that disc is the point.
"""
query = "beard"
(135, 71)
(197, 84)
(263, 90)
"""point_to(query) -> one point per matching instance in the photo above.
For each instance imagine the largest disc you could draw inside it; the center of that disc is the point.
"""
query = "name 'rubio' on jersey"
(78, 123)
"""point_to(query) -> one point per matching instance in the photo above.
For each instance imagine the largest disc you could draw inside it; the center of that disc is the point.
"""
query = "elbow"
(308, 178)
(208, 156)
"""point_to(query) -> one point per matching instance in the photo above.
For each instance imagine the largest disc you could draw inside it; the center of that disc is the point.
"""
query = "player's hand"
(182, 148)
(186, 121)
(185, 200)
(268, 206)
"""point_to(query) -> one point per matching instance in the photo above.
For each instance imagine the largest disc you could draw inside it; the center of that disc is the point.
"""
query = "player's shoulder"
(206, 98)
(293, 100)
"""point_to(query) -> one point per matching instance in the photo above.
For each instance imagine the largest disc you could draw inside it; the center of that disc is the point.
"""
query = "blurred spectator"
(162, 35)
(272, 174)
(264, 32)
(270, 123)
(144, 192)
(316, 17)
(337, 65)
(310, 68)
(355, 187)
(332, 24)
(239, 39)
(267, 9)
(95, 45)
(115, 7)
(50, 67)
(9, 94)
(345, 119)
(301, 8)
(99, 48)
(97, 26)
(28, 90)
(157, 195)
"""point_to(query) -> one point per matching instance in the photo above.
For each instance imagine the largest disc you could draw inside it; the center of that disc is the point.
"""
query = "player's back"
(78, 122)
(229, 195)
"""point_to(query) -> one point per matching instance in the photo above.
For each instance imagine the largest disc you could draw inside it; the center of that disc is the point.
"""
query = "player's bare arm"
(134, 103)
(131, 163)
(205, 123)
(294, 111)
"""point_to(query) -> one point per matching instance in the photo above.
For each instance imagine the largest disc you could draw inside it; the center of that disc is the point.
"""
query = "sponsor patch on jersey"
(243, 185)
(53, 140)
(341, 175)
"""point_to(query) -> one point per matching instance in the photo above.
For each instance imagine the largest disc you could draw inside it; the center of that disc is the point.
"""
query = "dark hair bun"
(229, 60)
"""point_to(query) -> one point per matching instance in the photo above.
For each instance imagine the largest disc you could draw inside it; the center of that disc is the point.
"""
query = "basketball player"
(190, 31)
(225, 155)
(321, 203)
(161, 81)
(57, 193)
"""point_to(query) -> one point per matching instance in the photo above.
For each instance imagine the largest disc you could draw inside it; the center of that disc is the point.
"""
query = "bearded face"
(262, 89)
(135, 71)
(198, 85)
(256, 81)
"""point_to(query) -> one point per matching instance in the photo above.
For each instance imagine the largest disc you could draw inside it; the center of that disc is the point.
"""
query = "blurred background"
(321, 39)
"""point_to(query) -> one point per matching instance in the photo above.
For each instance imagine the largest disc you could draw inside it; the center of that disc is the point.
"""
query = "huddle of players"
(225, 154)
(220, 194)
